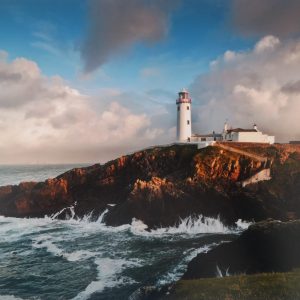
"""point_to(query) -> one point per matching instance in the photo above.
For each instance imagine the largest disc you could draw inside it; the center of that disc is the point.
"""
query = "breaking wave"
(191, 226)
(119, 257)
(187, 226)
(176, 272)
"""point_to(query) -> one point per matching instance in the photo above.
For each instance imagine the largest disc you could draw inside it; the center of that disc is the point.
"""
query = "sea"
(51, 259)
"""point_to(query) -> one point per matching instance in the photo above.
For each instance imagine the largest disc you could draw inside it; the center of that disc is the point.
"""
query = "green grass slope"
(265, 286)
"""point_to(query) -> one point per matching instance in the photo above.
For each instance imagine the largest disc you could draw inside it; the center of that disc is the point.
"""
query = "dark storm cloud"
(117, 24)
(291, 87)
(258, 17)
(6, 77)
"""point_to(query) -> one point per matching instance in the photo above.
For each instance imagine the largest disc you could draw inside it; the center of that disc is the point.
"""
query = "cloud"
(267, 43)
(43, 119)
(3, 55)
(46, 46)
(20, 82)
(116, 25)
(260, 85)
(292, 87)
(260, 17)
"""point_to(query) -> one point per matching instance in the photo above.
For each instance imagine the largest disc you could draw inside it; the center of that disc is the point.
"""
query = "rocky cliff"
(265, 247)
(162, 184)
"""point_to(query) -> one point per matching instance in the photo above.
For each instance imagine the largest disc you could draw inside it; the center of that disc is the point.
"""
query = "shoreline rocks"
(265, 247)
(163, 184)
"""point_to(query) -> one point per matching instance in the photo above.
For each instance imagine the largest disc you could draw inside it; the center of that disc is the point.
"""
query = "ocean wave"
(10, 297)
(67, 210)
(190, 226)
(176, 272)
(47, 242)
(112, 250)
(185, 228)
(14, 228)
(108, 271)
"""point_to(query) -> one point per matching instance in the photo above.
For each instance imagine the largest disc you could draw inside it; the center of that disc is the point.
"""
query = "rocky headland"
(267, 246)
(160, 185)
(262, 263)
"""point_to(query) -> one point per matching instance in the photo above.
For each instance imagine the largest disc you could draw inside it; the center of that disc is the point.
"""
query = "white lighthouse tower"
(184, 117)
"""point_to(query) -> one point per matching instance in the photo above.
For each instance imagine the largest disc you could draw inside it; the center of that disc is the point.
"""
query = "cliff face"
(161, 184)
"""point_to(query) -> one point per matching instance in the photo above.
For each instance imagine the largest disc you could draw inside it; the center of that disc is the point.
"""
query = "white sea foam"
(189, 226)
(218, 272)
(101, 217)
(176, 272)
(221, 273)
(10, 297)
(59, 238)
(108, 276)
(69, 211)
(242, 225)
(72, 219)
(47, 242)
(13, 228)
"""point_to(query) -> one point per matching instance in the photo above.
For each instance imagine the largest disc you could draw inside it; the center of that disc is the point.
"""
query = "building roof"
(241, 130)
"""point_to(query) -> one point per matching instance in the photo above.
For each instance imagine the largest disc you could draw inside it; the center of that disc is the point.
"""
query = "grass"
(265, 286)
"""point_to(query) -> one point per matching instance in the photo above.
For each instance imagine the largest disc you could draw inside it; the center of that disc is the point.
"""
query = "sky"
(87, 81)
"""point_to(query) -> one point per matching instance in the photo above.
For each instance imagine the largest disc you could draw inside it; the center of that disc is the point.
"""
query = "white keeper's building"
(184, 128)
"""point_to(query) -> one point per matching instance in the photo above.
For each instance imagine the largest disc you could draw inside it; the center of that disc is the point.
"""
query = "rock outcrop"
(265, 247)
(162, 184)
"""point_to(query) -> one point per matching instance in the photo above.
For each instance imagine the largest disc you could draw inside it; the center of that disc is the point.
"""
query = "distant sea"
(14, 174)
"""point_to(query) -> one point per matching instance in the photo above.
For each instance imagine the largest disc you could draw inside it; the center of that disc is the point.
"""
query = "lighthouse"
(184, 117)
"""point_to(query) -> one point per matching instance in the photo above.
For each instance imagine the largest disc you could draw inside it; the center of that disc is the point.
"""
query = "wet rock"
(150, 293)
(144, 293)
(268, 246)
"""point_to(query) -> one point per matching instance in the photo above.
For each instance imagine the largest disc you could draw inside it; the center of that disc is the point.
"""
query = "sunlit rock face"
(163, 184)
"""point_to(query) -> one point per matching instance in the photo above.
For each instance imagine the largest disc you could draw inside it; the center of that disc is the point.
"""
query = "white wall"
(250, 137)
(204, 139)
(262, 175)
(184, 130)
(271, 139)
(201, 145)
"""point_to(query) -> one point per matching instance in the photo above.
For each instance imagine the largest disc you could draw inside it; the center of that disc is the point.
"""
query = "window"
(188, 108)
(188, 122)
(178, 108)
